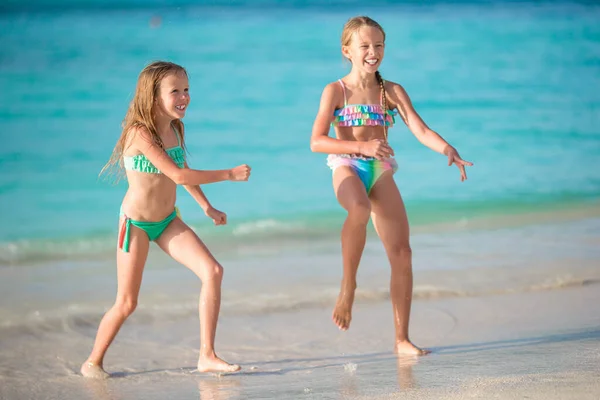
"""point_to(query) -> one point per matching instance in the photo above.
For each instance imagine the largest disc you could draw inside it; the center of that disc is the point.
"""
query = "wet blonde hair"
(141, 112)
(353, 25)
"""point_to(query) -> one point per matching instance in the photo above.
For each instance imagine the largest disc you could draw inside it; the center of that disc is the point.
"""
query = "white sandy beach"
(537, 345)
(530, 329)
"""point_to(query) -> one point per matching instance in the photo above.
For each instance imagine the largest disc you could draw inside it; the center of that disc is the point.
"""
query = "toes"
(341, 321)
(234, 368)
(336, 320)
(345, 324)
(338, 323)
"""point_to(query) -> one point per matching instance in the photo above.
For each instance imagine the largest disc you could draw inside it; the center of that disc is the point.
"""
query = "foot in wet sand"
(405, 347)
(212, 363)
(342, 313)
(92, 370)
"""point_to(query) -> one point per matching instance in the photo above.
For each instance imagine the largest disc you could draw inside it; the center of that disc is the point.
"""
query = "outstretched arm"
(422, 132)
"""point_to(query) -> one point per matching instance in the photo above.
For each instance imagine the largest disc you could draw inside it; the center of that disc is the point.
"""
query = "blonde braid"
(383, 103)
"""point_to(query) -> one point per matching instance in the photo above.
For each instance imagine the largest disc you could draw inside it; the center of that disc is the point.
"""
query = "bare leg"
(130, 267)
(181, 243)
(391, 224)
(352, 196)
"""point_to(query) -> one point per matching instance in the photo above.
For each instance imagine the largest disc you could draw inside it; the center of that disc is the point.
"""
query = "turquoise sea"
(514, 86)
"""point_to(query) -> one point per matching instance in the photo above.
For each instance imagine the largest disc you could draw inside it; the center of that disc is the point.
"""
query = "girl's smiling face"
(173, 95)
(366, 48)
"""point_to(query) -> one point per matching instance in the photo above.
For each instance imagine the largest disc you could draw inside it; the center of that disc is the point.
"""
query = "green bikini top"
(140, 163)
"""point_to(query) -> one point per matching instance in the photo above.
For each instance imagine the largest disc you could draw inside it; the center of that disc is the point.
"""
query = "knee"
(214, 273)
(126, 306)
(401, 254)
(359, 212)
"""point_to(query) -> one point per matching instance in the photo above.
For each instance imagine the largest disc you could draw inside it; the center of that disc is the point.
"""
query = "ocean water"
(513, 86)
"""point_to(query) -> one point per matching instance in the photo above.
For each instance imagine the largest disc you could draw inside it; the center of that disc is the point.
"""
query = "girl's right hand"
(380, 149)
(239, 173)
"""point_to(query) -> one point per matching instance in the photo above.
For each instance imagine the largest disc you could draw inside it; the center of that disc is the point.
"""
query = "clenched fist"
(239, 173)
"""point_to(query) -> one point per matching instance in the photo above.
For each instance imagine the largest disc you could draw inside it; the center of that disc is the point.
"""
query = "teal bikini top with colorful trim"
(140, 162)
(362, 114)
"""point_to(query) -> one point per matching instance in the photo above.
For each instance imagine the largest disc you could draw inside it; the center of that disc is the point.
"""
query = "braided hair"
(383, 103)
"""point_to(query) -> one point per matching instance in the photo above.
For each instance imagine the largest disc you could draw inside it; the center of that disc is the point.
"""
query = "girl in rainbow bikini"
(361, 106)
(151, 148)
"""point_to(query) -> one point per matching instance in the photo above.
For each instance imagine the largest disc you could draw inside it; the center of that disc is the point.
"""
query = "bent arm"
(161, 160)
(196, 192)
(320, 142)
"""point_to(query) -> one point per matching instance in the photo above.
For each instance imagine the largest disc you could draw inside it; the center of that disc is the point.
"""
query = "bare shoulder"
(395, 88)
(396, 94)
(333, 94)
(137, 137)
(137, 133)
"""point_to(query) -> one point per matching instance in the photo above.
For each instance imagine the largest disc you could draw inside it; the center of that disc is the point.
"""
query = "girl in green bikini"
(151, 150)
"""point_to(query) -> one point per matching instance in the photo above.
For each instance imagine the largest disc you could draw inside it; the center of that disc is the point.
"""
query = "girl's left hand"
(218, 217)
(454, 158)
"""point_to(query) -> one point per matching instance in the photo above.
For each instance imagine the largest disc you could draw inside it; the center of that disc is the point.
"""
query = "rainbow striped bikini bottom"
(368, 169)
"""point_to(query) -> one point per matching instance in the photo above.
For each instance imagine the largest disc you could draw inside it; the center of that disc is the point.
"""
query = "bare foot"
(342, 313)
(91, 370)
(405, 347)
(212, 363)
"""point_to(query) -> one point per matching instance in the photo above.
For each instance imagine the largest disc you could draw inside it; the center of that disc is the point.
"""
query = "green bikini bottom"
(152, 229)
